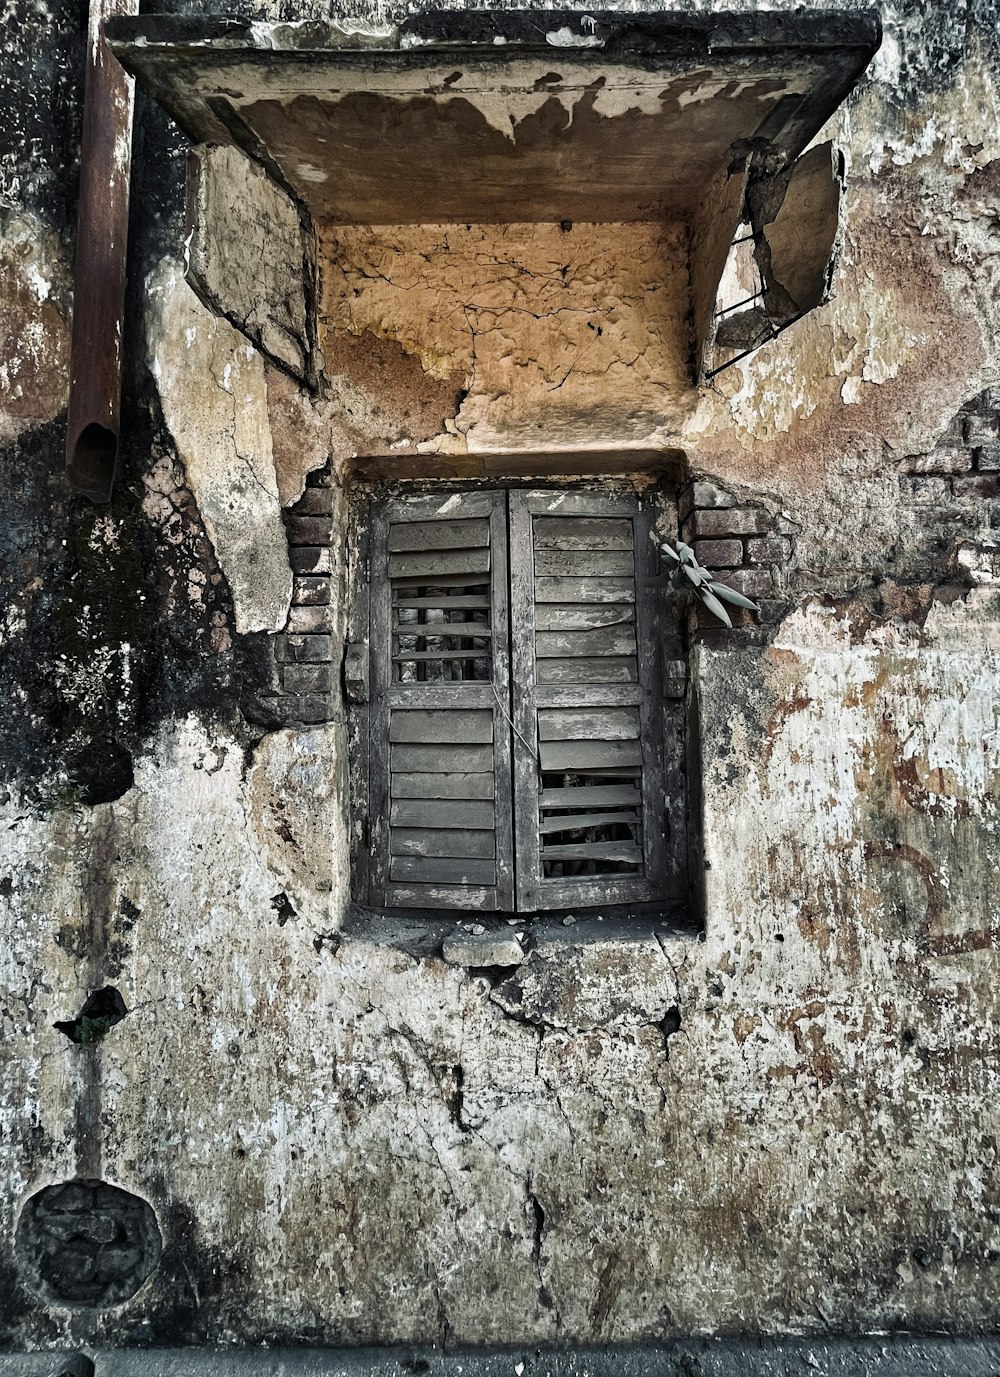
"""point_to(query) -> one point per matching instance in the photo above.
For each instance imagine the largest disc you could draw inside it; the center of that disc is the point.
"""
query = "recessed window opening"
(515, 741)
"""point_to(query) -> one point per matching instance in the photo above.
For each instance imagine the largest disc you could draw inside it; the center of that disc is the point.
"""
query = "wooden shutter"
(440, 743)
(588, 757)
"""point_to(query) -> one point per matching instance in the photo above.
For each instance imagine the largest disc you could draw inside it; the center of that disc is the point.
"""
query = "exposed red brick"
(977, 485)
(314, 502)
(979, 430)
(703, 494)
(304, 649)
(307, 678)
(310, 618)
(310, 559)
(309, 591)
(309, 530)
(305, 708)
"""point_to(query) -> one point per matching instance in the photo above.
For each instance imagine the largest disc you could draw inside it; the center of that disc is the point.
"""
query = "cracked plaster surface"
(213, 390)
(246, 255)
(879, 371)
(564, 338)
(385, 1148)
(302, 775)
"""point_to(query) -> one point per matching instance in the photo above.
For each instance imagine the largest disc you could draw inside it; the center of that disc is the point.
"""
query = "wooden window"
(515, 730)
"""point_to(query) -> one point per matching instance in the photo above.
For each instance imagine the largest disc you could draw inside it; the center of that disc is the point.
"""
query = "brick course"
(308, 530)
(730, 521)
(963, 466)
(302, 675)
(297, 678)
(746, 546)
(311, 559)
(719, 554)
(306, 619)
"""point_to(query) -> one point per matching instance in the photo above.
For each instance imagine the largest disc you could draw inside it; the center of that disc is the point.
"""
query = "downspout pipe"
(99, 274)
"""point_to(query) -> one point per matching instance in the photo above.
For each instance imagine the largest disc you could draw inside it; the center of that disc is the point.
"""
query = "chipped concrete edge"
(898, 1355)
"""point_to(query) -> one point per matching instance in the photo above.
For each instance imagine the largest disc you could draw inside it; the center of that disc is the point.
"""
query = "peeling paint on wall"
(297, 797)
(34, 356)
(247, 255)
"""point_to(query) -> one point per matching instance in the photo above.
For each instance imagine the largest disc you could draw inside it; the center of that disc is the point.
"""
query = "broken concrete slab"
(249, 255)
(589, 975)
(213, 390)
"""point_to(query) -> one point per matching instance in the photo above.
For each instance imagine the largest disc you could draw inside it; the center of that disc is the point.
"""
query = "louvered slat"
(461, 784)
(410, 724)
(429, 564)
(438, 535)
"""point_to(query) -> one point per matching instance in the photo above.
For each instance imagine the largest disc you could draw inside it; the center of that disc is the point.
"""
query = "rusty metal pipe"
(99, 275)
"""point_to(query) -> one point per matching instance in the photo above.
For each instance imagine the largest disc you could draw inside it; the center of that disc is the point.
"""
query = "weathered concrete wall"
(788, 1124)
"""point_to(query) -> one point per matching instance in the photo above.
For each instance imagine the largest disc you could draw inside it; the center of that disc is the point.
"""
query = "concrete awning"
(500, 117)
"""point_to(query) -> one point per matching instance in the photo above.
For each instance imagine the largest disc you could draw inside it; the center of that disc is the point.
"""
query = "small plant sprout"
(688, 574)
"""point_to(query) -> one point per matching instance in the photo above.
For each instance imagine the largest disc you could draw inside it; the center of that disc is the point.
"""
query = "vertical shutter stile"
(440, 745)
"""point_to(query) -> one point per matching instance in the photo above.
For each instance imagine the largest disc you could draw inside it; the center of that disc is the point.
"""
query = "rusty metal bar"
(99, 276)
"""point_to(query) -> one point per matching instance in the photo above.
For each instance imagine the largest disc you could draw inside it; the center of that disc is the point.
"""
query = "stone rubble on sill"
(482, 949)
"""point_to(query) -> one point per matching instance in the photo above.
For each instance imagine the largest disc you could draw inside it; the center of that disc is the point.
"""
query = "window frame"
(663, 886)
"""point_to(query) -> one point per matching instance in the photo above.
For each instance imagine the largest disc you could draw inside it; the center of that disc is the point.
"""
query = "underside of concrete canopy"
(684, 135)
(490, 117)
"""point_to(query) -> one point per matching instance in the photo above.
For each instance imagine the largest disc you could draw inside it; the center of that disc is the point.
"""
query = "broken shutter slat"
(591, 797)
(592, 757)
(562, 823)
(597, 724)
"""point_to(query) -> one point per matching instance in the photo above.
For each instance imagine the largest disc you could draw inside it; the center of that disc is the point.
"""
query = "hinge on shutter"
(356, 662)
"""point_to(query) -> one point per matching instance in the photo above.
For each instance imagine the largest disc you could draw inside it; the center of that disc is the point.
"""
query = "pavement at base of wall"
(897, 1355)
